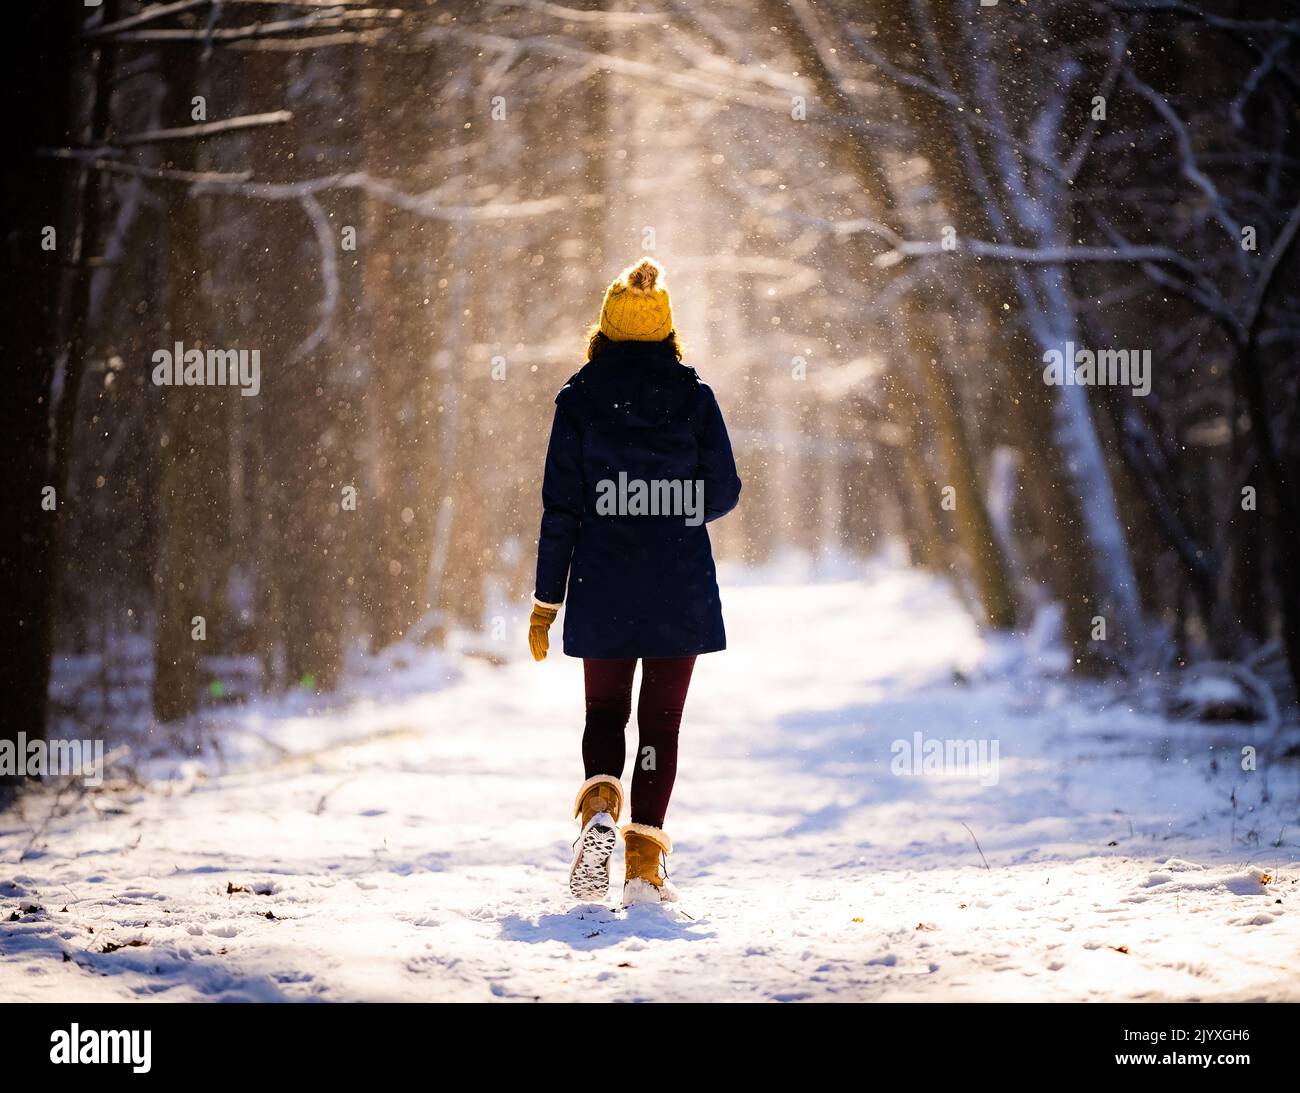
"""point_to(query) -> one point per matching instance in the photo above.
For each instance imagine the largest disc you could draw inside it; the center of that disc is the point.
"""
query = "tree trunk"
(194, 447)
(974, 528)
(1279, 485)
(30, 195)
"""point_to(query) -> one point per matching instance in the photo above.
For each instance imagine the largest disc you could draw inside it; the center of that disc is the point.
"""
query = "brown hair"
(598, 341)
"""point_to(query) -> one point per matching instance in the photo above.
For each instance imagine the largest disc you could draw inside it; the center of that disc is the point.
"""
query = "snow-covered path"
(416, 847)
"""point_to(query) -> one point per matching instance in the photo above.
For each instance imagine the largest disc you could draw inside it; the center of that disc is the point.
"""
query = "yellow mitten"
(539, 623)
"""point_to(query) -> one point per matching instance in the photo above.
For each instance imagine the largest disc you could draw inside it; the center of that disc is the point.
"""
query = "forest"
(1010, 288)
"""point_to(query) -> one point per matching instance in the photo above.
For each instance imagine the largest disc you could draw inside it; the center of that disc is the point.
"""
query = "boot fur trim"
(597, 780)
(656, 835)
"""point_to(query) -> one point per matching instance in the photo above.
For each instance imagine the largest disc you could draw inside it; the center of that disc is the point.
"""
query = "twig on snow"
(977, 844)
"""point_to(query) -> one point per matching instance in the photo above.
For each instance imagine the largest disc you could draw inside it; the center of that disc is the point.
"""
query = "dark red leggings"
(664, 682)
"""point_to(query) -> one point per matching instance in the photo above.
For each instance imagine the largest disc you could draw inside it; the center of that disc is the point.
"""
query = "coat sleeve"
(717, 464)
(562, 501)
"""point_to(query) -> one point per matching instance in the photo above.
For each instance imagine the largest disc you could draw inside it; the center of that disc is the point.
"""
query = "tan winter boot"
(647, 848)
(597, 806)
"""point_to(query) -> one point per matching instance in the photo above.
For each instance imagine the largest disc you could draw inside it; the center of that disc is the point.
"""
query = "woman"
(639, 460)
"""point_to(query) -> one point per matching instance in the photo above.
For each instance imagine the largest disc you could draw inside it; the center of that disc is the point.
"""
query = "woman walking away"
(639, 460)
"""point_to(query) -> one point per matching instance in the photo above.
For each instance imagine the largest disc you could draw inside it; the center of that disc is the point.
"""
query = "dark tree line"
(878, 218)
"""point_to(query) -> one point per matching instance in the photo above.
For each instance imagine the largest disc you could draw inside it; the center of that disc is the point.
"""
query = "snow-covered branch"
(206, 129)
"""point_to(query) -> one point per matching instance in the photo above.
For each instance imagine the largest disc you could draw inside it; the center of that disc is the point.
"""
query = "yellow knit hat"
(637, 307)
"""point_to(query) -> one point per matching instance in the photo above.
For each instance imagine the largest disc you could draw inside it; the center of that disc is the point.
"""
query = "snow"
(411, 841)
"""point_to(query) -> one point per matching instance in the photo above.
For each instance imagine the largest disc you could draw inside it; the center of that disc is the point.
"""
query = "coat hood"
(636, 383)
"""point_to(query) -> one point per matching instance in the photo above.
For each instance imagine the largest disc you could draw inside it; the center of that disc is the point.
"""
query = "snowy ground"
(415, 847)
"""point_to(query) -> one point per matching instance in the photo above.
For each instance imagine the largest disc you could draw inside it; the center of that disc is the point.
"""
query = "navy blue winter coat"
(638, 585)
